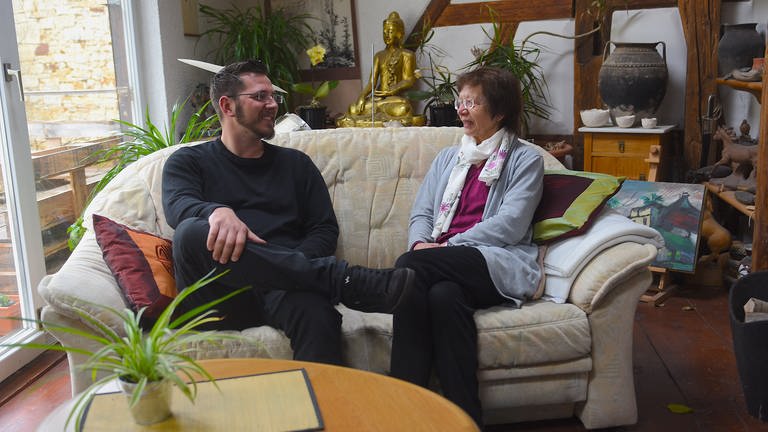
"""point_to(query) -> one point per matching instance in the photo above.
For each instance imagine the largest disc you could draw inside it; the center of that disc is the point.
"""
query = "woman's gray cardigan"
(504, 236)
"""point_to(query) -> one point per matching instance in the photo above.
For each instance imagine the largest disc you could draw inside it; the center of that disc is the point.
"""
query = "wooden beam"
(507, 10)
(760, 234)
(434, 9)
(699, 18)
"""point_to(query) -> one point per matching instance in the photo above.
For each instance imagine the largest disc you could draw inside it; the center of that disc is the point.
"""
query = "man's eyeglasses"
(466, 103)
(264, 96)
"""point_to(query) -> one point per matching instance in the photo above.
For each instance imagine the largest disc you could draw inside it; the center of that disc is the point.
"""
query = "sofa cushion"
(142, 264)
(570, 203)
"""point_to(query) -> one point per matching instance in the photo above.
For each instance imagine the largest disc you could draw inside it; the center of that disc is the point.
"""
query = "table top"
(659, 130)
(349, 399)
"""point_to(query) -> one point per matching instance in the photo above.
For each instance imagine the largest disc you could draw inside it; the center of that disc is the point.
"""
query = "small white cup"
(648, 123)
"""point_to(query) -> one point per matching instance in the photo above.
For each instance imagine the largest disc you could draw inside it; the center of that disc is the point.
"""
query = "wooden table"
(634, 153)
(349, 399)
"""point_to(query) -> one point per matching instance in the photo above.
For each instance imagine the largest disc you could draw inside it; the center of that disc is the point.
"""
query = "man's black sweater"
(281, 196)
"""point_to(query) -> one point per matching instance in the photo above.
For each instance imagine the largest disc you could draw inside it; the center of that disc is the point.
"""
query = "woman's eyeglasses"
(466, 103)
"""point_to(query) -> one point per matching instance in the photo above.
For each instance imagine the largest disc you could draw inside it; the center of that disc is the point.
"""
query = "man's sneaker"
(374, 290)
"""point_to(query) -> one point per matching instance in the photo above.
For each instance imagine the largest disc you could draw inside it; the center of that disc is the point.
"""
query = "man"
(263, 212)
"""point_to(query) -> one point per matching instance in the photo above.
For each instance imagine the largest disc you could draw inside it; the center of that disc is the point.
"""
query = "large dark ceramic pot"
(739, 44)
(443, 115)
(313, 116)
(750, 343)
(633, 79)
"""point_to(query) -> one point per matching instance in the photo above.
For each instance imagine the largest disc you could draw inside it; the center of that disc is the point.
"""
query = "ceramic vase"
(739, 45)
(633, 79)
(154, 404)
(313, 116)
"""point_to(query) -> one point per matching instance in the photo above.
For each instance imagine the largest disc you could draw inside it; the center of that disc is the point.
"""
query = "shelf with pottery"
(729, 197)
(754, 87)
(634, 153)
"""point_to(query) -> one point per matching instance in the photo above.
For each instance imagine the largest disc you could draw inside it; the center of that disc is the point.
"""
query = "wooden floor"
(683, 355)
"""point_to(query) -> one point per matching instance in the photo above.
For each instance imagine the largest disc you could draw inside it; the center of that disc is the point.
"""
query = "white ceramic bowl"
(625, 121)
(594, 117)
(649, 123)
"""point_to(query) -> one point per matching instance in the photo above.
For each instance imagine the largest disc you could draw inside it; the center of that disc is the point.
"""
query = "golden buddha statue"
(393, 72)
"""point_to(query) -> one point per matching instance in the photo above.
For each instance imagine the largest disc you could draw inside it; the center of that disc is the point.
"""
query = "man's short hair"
(227, 81)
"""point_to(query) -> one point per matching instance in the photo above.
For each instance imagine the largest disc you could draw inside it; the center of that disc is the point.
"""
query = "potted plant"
(275, 38)
(522, 62)
(9, 311)
(440, 96)
(314, 113)
(145, 140)
(441, 90)
(145, 363)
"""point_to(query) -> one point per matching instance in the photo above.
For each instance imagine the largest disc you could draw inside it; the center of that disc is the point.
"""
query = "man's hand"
(228, 235)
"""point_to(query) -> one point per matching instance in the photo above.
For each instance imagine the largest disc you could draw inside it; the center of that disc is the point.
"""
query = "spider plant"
(144, 140)
(139, 357)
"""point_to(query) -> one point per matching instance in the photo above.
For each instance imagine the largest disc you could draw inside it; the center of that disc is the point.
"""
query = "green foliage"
(317, 93)
(162, 353)
(143, 141)
(522, 62)
(438, 78)
(6, 301)
(276, 39)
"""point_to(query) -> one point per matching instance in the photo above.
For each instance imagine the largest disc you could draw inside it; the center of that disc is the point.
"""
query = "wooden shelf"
(756, 88)
(729, 197)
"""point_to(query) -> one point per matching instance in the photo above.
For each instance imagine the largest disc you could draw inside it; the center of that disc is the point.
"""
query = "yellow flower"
(316, 54)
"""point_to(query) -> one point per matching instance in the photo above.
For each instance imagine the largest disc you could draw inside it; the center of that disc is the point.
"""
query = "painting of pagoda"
(673, 209)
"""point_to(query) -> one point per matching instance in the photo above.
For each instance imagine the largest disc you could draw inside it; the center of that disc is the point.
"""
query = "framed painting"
(674, 210)
(334, 26)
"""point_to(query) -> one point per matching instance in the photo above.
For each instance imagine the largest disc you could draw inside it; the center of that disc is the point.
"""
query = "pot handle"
(663, 50)
(605, 50)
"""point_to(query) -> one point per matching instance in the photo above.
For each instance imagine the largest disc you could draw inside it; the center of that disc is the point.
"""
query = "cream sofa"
(545, 360)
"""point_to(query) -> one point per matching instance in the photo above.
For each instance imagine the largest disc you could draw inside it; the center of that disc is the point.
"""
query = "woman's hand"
(428, 245)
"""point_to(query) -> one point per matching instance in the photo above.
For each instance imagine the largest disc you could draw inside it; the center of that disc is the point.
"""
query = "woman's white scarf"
(494, 150)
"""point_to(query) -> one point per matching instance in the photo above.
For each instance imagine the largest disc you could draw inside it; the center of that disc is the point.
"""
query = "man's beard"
(263, 134)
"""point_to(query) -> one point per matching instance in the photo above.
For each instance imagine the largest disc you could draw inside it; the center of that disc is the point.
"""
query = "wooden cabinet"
(629, 153)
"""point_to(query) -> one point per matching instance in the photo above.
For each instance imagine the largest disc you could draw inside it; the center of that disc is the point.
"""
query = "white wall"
(166, 42)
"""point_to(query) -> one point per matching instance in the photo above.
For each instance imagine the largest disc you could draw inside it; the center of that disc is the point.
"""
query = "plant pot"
(738, 46)
(313, 116)
(633, 79)
(750, 343)
(153, 406)
(7, 325)
(443, 115)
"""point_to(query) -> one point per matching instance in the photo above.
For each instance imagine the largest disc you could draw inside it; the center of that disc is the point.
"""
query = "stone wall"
(65, 48)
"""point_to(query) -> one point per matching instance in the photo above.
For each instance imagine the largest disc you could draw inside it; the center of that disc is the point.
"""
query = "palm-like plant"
(144, 140)
(275, 38)
(522, 62)
(139, 357)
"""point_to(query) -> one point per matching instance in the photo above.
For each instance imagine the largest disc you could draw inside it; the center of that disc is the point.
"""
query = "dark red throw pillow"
(570, 203)
(141, 262)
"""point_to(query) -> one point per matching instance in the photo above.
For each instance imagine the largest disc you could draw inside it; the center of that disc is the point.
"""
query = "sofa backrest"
(372, 176)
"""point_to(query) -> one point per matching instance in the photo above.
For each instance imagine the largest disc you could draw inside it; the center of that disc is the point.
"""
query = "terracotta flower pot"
(8, 325)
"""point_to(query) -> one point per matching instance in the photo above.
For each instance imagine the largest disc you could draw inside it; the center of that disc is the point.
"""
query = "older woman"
(479, 198)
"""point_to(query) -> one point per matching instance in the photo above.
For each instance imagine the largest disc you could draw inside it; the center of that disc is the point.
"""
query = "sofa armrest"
(601, 274)
(608, 290)
(84, 284)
